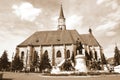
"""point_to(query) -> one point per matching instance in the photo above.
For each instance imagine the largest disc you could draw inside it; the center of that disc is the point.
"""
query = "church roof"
(58, 37)
(89, 39)
(52, 38)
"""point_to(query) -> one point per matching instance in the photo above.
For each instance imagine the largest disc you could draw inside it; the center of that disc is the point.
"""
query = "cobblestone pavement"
(39, 76)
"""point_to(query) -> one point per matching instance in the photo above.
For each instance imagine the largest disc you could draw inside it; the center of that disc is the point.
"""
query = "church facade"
(58, 44)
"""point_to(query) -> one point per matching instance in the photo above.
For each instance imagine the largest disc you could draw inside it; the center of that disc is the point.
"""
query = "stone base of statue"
(80, 63)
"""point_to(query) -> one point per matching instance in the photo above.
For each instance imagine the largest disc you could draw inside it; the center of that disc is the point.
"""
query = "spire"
(61, 13)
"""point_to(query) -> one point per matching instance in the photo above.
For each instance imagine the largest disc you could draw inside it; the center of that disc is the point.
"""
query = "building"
(59, 44)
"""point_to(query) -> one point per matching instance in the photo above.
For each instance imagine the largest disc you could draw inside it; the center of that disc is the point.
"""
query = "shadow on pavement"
(6, 79)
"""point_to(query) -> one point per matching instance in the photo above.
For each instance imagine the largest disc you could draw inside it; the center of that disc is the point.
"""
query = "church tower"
(61, 20)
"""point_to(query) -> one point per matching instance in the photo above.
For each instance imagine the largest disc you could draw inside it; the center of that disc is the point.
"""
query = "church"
(59, 44)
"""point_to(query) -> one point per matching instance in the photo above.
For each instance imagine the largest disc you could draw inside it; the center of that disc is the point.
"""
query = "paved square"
(39, 76)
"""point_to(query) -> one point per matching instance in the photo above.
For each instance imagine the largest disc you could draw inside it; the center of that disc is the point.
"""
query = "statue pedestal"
(80, 63)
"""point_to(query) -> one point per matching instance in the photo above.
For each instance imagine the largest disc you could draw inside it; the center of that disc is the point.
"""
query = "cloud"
(109, 51)
(115, 15)
(107, 26)
(111, 33)
(112, 3)
(100, 1)
(10, 44)
(108, 3)
(26, 11)
(73, 20)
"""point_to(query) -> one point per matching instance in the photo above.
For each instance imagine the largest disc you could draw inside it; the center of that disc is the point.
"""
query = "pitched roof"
(52, 38)
(59, 37)
(89, 39)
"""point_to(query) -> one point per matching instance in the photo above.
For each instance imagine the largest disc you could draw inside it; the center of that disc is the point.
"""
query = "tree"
(17, 64)
(67, 66)
(36, 59)
(103, 59)
(35, 62)
(116, 57)
(45, 62)
(4, 61)
(87, 57)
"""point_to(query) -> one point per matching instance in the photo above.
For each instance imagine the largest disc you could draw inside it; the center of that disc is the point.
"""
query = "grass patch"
(76, 73)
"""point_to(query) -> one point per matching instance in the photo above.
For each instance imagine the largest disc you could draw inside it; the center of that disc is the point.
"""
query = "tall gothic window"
(91, 54)
(96, 55)
(68, 54)
(22, 55)
(46, 52)
(58, 53)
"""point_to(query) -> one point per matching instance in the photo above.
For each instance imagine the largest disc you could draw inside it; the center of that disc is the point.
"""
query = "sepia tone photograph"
(59, 39)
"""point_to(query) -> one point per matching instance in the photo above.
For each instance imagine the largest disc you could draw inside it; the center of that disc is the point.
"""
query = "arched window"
(22, 55)
(96, 55)
(35, 53)
(58, 54)
(91, 54)
(68, 54)
(46, 52)
(45, 56)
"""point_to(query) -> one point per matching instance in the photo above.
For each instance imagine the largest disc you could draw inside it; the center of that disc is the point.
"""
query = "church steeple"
(61, 12)
(61, 20)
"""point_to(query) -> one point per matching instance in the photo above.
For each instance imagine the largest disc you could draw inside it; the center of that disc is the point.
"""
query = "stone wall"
(28, 53)
(54, 60)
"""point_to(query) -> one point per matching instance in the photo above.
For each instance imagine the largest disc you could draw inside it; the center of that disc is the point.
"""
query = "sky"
(21, 18)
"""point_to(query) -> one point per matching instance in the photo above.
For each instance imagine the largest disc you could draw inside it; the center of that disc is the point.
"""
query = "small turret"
(90, 30)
